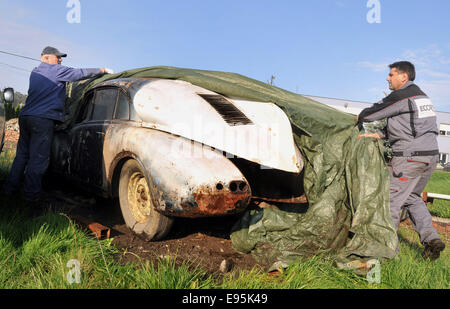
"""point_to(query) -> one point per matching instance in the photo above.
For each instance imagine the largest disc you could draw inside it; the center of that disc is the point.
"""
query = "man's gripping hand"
(373, 135)
(107, 71)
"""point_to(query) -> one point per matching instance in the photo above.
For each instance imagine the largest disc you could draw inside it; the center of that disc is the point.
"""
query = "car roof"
(129, 85)
(121, 82)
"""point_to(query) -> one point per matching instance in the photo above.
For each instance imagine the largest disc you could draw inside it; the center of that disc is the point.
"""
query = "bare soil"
(201, 242)
(12, 131)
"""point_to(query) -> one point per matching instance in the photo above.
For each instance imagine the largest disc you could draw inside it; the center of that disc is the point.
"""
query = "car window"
(86, 110)
(123, 107)
(105, 100)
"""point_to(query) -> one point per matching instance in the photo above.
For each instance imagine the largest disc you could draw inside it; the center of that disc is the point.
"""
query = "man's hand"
(374, 135)
(106, 71)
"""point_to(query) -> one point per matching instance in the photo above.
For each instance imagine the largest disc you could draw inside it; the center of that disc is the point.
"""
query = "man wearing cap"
(43, 108)
(412, 132)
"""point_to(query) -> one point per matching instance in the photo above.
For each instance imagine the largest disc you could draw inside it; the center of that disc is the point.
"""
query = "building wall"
(355, 107)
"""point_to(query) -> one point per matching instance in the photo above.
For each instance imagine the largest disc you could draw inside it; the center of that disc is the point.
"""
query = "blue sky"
(323, 47)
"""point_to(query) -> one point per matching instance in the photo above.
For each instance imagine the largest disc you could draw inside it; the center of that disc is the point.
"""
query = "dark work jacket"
(411, 119)
(47, 89)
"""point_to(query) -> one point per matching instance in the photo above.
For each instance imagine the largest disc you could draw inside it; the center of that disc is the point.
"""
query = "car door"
(88, 137)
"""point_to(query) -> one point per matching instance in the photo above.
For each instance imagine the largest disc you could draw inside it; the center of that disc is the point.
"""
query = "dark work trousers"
(409, 176)
(32, 156)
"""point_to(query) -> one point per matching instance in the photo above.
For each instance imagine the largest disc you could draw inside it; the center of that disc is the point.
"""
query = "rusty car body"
(167, 148)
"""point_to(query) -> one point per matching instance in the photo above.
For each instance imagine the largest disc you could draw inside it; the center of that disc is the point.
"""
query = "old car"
(167, 148)
(7, 96)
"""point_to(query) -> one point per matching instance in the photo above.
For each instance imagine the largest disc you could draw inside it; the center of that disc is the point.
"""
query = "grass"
(34, 253)
(411, 271)
(408, 271)
(6, 159)
(439, 183)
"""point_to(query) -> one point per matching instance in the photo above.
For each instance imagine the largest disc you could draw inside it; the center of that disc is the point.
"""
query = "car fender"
(188, 179)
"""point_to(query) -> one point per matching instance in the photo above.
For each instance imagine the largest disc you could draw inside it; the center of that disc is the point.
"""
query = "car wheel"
(137, 204)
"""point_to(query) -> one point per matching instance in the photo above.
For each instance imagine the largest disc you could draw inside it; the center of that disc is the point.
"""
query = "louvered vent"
(230, 113)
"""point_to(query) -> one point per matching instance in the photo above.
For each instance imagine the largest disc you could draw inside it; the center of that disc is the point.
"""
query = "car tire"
(137, 203)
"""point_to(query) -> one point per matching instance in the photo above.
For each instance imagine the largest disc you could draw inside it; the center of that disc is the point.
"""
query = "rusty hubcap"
(139, 197)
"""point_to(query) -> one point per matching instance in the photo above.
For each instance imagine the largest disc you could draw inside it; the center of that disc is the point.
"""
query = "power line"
(16, 55)
(14, 67)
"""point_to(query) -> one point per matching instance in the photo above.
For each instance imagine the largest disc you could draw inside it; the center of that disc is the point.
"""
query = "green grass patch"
(36, 254)
(408, 271)
(6, 160)
(439, 183)
(440, 208)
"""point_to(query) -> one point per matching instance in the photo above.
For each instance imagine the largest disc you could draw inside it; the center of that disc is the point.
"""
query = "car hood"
(256, 131)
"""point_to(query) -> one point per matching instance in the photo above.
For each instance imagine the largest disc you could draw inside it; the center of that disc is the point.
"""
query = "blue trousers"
(32, 156)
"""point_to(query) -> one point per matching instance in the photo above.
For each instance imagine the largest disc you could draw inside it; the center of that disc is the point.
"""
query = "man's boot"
(433, 249)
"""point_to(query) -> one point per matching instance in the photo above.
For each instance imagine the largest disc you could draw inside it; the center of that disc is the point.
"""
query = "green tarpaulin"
(345, 179)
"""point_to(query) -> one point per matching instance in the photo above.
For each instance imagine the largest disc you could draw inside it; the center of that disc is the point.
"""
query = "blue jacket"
(47, 90)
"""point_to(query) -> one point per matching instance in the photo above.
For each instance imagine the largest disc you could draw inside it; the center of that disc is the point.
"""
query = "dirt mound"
(12, 132)
(201, 242)
(12, 125)
(189, 242)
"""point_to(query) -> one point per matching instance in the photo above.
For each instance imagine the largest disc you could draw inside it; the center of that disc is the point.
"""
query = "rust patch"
(220, 204)
(295, 200)
(134, 81)
(213, 202)
(100, 231)
(425, 197)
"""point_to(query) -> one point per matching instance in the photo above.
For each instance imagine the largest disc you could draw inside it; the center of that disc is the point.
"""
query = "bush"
(12, 112)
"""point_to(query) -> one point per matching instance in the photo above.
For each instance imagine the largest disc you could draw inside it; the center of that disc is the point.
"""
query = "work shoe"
(433, 249)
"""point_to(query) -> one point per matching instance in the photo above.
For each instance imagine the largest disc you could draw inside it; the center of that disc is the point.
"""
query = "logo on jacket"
(424, 108)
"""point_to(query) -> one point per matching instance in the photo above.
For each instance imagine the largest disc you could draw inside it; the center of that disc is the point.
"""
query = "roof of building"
(355, 107)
